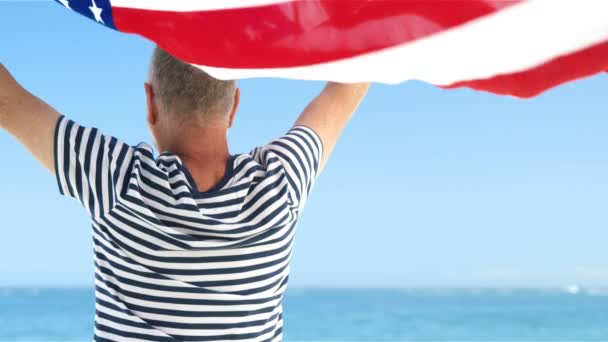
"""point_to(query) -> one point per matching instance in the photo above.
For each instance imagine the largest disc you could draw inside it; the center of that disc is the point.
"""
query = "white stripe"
(194, 308)
(275, 190)
(517, 38)
(173, 294)
(190, 320)
(93, 172)
(192, 5)
(166, 170)
(122, 173)
(120, 314)
(216, 243)
(105, 171)
(72, 160)
(313, 138)
(280, 234)
(60, 156)
(139, 232)
(128, 328)
(229, 331)
(249, 164)
(113, 337)
(251, 286)
(225, 231)
(189, 308)
(279, 337)
(210, 277)
(199, 266)
(222, 230)
(81, 161)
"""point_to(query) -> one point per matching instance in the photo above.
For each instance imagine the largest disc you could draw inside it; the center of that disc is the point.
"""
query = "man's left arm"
(29, 119)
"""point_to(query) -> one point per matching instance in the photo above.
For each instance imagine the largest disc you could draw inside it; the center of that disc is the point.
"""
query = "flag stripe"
(296, 33)
(193, 5)
(531, 82)
(467, 53)
(503, 46)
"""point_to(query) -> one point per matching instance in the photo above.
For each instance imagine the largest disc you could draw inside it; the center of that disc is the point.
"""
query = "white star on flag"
(65, 3)
(96, 12)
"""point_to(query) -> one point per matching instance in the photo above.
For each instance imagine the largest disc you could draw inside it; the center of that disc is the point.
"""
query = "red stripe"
(532, 82)
(299, 32)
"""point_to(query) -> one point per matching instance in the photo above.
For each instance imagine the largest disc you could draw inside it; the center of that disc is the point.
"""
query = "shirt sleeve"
(299, 152)
(90, 166)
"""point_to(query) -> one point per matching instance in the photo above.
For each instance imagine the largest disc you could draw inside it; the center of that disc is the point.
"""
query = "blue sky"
(426, 188)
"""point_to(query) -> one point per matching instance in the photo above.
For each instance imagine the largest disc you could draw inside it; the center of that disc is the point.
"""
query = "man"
(193, 244)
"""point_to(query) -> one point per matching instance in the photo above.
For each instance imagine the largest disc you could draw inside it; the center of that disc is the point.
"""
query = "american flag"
(511, 47)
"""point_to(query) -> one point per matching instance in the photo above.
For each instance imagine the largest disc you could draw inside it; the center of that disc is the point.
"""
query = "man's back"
(173, 263)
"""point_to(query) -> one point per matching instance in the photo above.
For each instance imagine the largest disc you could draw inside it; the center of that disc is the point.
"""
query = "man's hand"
(28, 119)
(329, 112)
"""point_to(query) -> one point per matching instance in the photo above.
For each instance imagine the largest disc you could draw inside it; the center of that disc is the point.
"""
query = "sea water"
(355, 315)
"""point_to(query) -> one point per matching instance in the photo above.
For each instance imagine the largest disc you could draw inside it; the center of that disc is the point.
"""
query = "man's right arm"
(29, 119)
(330, 111)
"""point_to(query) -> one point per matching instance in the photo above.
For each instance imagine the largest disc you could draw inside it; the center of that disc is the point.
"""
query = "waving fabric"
(511, 47)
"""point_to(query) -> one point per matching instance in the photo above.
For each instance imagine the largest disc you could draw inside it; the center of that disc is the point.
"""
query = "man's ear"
(152, 115)
(235, 106)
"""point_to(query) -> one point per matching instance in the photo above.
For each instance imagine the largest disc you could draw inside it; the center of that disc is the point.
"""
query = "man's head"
(181, 96)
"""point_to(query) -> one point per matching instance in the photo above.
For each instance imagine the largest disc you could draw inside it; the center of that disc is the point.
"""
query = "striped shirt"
(176, 264)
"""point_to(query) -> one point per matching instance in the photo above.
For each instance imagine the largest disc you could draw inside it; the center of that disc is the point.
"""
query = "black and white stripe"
(175, 264)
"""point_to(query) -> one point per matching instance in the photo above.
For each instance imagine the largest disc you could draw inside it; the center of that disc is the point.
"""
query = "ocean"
(355, 315)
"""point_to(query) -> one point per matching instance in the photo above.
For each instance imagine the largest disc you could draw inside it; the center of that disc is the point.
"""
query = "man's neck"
(204, 152)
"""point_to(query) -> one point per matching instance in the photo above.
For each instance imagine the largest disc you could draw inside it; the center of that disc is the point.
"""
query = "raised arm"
(27, 118)
(329, 112)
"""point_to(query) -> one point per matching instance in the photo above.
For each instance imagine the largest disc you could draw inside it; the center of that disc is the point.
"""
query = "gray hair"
(186, 93)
